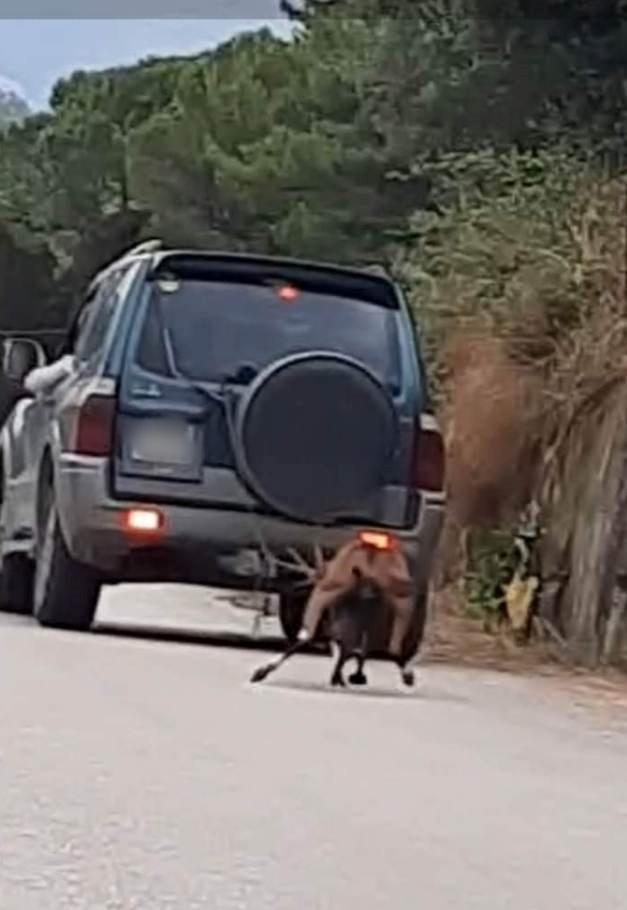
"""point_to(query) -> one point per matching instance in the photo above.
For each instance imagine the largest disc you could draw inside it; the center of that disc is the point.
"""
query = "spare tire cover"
(314, 436)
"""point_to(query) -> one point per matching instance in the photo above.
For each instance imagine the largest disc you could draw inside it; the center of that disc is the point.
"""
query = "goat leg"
(408, 675)
(340, 657)
(402, 615)
(359, 678)
(408, 670)
(317, 607)
(337, 679)
(264, 672)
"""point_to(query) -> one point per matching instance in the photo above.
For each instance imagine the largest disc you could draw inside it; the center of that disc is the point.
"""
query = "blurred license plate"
(163, 442)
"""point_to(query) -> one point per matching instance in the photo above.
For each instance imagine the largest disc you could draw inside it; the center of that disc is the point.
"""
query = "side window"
(96, 318)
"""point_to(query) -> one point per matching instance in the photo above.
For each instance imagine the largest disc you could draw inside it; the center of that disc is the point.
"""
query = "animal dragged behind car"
(363, 601)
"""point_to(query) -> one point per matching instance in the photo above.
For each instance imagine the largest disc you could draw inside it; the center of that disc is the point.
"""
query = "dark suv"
(218, 417)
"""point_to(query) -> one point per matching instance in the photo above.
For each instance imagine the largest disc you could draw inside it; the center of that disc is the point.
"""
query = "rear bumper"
(200, 540)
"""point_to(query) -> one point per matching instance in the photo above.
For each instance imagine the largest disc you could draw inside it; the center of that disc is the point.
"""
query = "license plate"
(166, 443)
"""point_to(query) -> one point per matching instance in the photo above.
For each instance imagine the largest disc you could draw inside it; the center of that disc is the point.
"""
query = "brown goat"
(385, 567)
(366, 598)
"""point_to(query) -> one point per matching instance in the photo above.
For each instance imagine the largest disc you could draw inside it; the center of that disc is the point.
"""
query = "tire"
(16, 585)
(291, 612)
(415, 636)
(66, 592)
(339, 457)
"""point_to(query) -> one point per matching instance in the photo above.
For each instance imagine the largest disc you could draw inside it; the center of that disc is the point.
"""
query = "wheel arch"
(5, 457)
(45, 479)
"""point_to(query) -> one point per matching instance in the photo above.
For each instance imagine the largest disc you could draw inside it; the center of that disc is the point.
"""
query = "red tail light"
(377, 540)
(429, 456)
(94, 426)
(143, 521)
(288, 294)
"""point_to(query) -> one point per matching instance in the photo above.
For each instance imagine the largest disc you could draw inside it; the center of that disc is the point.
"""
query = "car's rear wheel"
(16, 584)
(16, 570)
(66, 592)
(416, 634)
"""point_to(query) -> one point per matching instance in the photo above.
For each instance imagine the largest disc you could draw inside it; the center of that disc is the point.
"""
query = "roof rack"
(147, 246)
(374, 268)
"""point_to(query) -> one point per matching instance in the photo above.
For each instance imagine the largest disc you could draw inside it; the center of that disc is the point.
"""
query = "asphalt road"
(148, 774)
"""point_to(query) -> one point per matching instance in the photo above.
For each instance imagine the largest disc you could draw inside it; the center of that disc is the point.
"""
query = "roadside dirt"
(455, 638)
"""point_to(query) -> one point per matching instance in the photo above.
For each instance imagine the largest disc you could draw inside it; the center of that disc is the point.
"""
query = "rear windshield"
(217, 329)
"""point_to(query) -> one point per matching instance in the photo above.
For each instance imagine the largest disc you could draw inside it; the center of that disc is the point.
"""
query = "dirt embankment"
(456, 639)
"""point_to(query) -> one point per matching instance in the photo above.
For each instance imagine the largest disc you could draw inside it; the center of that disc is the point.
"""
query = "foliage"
(491, 563)
(505, 259)
(13, 108)
(383, 127)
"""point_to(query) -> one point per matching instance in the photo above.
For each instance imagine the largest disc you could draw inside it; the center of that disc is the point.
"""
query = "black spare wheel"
(314, 436)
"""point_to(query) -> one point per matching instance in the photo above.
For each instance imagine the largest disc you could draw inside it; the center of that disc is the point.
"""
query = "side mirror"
(20, 356)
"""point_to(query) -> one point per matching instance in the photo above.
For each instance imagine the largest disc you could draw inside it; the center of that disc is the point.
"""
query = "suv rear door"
(208, 324)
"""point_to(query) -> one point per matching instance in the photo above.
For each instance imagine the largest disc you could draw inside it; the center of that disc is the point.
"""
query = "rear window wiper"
(242, 375)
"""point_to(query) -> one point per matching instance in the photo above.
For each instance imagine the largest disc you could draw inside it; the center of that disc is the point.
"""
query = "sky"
(34, 53)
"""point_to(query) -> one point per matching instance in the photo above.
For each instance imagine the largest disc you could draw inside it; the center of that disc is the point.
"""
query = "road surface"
(148, 774)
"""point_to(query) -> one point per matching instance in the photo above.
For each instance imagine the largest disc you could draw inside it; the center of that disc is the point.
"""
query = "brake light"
(378, 540)
(143, 521)
(94, 426)
(288, 294)
(429, 456)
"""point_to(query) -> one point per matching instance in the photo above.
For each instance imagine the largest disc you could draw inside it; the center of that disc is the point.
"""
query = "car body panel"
(94, 526)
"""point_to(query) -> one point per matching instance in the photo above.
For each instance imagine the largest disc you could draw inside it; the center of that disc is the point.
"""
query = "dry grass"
(531, 355)
(590, 361)
(492, 431)
(530, 296)
(455, 638)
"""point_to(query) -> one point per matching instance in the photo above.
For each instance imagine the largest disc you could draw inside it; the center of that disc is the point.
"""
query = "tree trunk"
(586, 533)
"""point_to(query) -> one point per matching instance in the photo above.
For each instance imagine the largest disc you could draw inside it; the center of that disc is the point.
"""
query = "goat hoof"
(358, 679)
(409, 678)
(337, 682)
(260, 674)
